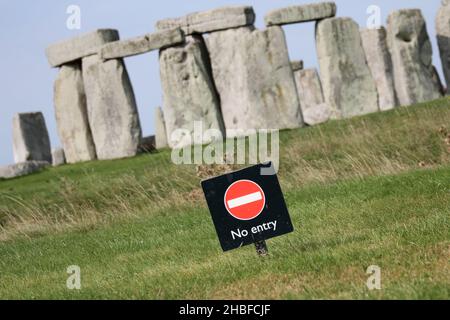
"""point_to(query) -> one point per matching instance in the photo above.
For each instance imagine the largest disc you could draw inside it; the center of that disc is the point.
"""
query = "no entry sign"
(247, 207)
(244, 199)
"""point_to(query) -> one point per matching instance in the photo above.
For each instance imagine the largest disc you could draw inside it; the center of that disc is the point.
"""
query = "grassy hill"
(372, 190)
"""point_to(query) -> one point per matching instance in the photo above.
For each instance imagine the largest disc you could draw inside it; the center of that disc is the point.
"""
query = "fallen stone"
(312, 102)
(139, 45)
(189, 94)
(160, 129)
(79, 47)
(300, 13)
(58, 157)
(254, 78)
(443, 38)
(30, 138)
(347, 83)
(22, 169)
(111, 105)
(209, 21)
(411, 52)
(297, 65)
(380, 65)
(71, 114)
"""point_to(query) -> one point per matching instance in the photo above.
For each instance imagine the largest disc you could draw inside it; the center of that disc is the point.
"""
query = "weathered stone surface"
(380, 65)
(312, 102)
(139, 45)
(21, 169)
(189, 92)
(30, 138)
(347, 83)
(111, 106)
(297, 65)
(213, 20)
(443, 37)
(58, 157)
(160, 129)
(411, 53)
(254, 78)
(79, 47)
(71, 114)
(300, 13)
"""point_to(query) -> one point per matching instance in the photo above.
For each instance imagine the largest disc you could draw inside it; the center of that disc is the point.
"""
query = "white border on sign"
(262, 192)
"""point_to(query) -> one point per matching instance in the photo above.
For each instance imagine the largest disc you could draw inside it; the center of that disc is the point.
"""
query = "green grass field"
(372, 190)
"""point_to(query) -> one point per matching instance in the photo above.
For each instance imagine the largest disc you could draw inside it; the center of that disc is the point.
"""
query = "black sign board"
(247, 206)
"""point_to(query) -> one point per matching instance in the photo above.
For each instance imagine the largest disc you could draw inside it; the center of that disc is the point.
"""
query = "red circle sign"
(244, 199)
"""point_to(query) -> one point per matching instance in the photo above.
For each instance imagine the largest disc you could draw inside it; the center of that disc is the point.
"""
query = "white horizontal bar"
(252, 197)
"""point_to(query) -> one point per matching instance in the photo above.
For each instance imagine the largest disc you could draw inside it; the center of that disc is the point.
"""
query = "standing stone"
(300, 13)
(189, 92)
(212, 20)
(314, 108)
(30, 138)
(443, 37)
(254, 78)
(160, 129)
(380, 65)
(71, 114)
(348, 86)
(111, 106)
(411, 53)
(58, 157)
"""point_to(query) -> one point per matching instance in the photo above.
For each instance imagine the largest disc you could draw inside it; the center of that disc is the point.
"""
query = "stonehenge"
(189, 92)
(71, 114)
(111, 108)
(254, 78)
(410, 47)
(209, 21)
(310, 94)
(348, 86)
(79, 47)
(443, 38)
(160, 129)
(30, 138)
(218, 69)
(58, 157)
(143, 44)
(380, 65)
(21, 169)
(300, 13)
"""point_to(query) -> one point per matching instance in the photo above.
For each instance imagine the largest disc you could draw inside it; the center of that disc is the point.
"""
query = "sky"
(28, 27)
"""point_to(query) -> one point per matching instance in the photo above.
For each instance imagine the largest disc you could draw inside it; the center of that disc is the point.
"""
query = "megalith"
(21, 169)
(348, 86)
(160, 130)
(212, 20)
(79, 47)
(111, 106)
(58, 157)
(71, 114)
(254, 78)
(30, 138)
(443, 38)
(410, 47)
(189, 94)
(380, 65)
(300, 13)
(314, 108)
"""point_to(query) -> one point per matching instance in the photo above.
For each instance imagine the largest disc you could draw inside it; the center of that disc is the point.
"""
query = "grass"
(363, 191)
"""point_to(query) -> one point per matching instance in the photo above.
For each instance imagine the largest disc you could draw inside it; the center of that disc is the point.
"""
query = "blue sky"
(28, 27)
